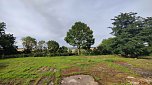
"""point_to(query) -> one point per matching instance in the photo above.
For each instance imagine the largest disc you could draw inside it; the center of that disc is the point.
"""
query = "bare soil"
(103, 75)
(146, 75)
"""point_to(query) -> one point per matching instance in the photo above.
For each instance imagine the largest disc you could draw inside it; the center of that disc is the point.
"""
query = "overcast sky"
(51, 19)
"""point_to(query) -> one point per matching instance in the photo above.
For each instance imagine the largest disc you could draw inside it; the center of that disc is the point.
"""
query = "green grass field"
(106, 69)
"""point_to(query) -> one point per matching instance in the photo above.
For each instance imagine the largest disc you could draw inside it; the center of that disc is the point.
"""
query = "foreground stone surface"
(79, 80)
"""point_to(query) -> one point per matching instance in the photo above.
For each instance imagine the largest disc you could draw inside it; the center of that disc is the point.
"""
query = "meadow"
(105, 69)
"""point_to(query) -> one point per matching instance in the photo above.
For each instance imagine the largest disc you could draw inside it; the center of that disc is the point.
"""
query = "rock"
(72, 81)
(79, 80)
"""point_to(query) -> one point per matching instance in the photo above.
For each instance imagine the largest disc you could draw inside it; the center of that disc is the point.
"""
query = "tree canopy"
(80, 35)
(29, 43)
(131, 33)
(7, 41)
(53, 46)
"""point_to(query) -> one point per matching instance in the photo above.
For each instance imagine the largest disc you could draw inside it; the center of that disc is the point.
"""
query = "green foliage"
(132, 48)
(85, 52)
(53, 46)
(29, 43)
(131, 32)
(146, 34)
(6, 41)
(106, 46)
(80, 35)
(63, 49)
(122, 21)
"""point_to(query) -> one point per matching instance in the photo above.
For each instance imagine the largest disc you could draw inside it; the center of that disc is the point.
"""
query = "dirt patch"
(12, 82)
(48, 80)
(71, 71)
(146, 76)
(79, 80)
(45, 80)
(123, 64)
(107, 76)
(142, 72)
(103, 74)
(139, 81)
(31, 82)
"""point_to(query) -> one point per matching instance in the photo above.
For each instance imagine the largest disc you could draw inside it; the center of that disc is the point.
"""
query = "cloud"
(51, 19)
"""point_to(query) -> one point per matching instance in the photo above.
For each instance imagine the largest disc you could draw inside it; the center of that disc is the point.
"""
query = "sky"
(51, 19)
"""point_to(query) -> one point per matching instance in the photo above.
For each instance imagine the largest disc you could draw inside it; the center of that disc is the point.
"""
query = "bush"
(60, 54)
(15, 56)
(90, 52)
(39, 54)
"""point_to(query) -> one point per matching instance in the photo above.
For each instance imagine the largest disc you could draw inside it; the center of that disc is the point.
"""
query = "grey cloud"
(51, 19)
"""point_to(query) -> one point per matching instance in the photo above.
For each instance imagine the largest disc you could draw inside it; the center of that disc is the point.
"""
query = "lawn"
(106, 69)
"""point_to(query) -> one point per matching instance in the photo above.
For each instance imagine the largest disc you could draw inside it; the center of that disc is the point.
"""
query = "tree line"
(43, 48)
(132, 37)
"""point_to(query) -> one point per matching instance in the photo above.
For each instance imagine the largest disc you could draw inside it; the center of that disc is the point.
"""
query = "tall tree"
(6, 41)
(127, 28)
(53, 46)
(80, 35)
(29, 43)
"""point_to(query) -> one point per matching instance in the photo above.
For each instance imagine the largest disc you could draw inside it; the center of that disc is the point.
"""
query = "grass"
(32, 70)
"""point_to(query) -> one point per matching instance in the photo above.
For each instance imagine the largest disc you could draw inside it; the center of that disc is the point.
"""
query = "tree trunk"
(78, 50)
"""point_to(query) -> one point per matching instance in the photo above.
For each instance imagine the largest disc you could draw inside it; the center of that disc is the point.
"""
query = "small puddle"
(79, 80)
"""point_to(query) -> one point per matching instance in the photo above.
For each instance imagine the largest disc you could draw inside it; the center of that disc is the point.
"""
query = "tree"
(106, 46)
(29, 43)
(80, 35)
(147, 31)
(53, 46)
(146, 34)
(121, 22)
(41, 45)
(6, 41)
(63, 49)
(127, 28)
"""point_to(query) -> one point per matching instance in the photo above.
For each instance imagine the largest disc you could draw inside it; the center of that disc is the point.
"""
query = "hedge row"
(35, 55)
